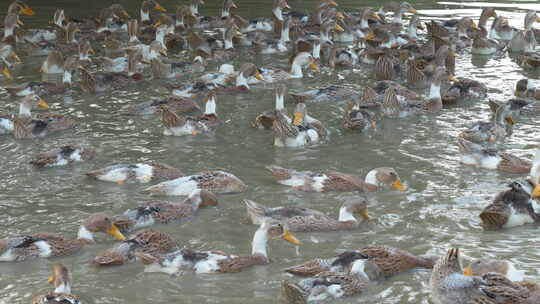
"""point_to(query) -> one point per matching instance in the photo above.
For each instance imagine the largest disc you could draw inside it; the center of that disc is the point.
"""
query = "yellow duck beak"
(453, 78)
(510, 120)
(7, 73)
(125, 14)
(376, 16)
(332, 3)
(27, 11)
(413, 11)
(43, 104)
(163, 53)
(50, 280)
(370, 36)
(298, 118)
(116, 233)
(159, 7)
(157, 24)
(19, 22)
(234, 5)
(537, 19)
(452, 54)
(338, 28)
(398, 185)
(289, 237)
(474, 26)
(314, 67)
(364, 214)
(258, 76)
(536, 191)
(468, 271)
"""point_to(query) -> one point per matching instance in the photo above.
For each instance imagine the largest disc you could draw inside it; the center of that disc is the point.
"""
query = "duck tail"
(280, 173)
(292, 293)
(255, 212)
(94, 173)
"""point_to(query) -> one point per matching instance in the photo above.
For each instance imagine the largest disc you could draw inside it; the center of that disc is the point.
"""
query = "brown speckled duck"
(139, 172)
(148, 241)
(47, 245)
(61, 280)
(215, 181)
(312, 222)
(488, 158)
(63, 155)
(266, 119)
(207, 262)
(150, 213)
(336, 181)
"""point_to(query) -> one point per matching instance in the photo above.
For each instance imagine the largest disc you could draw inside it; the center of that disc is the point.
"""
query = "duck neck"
(225, 12)
(66, 78)
(280, 105)
(64, 287)
(160, 36)
(210, 108)
(194, 8)
(398, 16)
(24, 110)
(145, 15)
(411, 30)
(85, 235)
(359, 269)
(364, 24)
(435, 90)
(241, 80)
(296, 70)
(317, 51)
(278, 13)
(9, 31)
(371, 178)
(345, 215)
(228, 43)
(258, 245)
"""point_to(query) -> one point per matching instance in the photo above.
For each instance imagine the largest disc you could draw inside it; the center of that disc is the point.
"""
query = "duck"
(313, 222)
(177, 125)
(356, 118)
(149, 241)
(266, 119)
(529, 60)
(337, 181)
(156, 212)
(449, 285)
(99, 82)
(162, 69)
(300, 60)
(511, 208)
(526, 88)
(257, 212)
(25, 108)
(138, 172)
(464, 89)
(60, 278)
(173, 103)
(495, 130)
(48, 245)
(210, 262)
(145, 11)
(479, 267)
(333, 93)
(62, 156)
(326, 285)
(482, 45)
(525, 40)
(301, 131)
(43, 88)
(53, 64)
(474, 154)
(398, 9)
(218, 182)
(382, 262)
(349, 273)
(7, 51)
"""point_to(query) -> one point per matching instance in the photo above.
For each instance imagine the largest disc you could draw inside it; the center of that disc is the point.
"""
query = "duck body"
(487, 158)
(173, 103)
(511, 208)
(218, 182)
(147, 241)
(208, 262)
(306, 220)
(151, 213)
(140, 172)
(336, 181)
(64, 155)
(329, 93)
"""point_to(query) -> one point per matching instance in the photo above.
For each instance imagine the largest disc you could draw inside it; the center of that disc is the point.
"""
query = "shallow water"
(439, 210)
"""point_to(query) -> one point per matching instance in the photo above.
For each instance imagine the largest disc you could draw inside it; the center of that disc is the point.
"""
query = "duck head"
(354, 207)
(60, 279)
(99, 223)
(384, 176)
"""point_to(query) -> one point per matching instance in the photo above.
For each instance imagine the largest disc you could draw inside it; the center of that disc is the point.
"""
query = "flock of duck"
(404, 61)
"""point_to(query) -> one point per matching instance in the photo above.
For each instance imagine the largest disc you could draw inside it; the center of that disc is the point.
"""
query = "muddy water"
(439, 210)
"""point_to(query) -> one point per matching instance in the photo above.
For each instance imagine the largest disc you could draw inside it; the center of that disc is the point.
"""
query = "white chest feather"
(318, 182)
(6, 124)
(143, 172)
(44, 249)
(294, 181)
(513, 274)
(518, 219)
